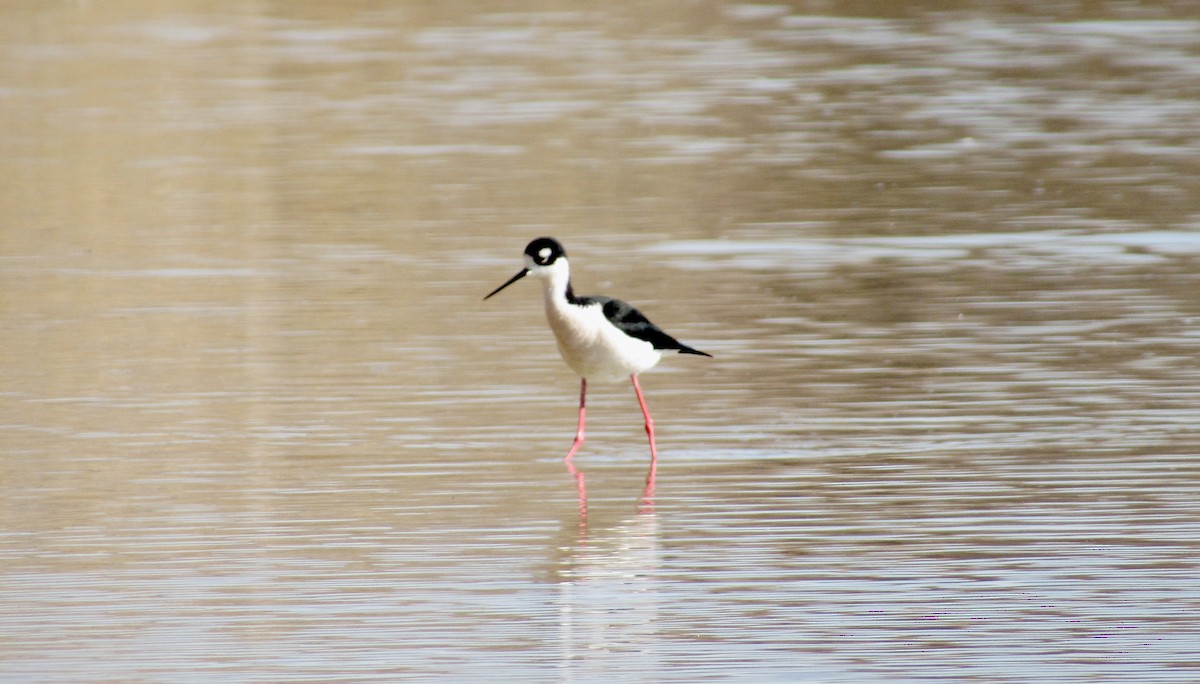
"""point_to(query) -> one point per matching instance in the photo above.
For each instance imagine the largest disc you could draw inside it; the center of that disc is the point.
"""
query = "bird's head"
(544, 258)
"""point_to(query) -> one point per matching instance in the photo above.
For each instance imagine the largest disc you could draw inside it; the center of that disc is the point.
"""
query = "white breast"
(593, 347)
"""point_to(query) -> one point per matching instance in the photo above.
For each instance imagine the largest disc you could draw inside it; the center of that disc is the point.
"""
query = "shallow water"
(258, 425)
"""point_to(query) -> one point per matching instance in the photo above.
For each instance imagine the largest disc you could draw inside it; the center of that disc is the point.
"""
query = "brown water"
(257, 424)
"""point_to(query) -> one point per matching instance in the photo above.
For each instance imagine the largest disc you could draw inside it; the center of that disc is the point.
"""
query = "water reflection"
(947, 262)
(608, 598)
(645, 504)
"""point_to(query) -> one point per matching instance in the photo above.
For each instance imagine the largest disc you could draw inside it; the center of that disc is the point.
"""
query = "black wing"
(633, 323)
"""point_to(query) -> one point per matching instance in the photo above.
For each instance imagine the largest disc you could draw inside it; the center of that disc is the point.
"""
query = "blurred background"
(255, 421)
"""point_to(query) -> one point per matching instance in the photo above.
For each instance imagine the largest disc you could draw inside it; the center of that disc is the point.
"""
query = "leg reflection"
(646, 503)
(581, 490)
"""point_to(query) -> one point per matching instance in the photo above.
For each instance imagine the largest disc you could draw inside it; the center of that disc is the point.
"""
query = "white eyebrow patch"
(544, 253)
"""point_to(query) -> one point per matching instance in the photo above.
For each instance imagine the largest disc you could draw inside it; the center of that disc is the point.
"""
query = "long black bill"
(520, 274)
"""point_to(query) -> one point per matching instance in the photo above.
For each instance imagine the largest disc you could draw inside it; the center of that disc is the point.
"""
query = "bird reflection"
(608, 591)
(581, 490)
(645, 501)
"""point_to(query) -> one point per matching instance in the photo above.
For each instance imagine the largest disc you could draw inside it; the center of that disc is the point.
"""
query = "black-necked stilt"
(599, 337)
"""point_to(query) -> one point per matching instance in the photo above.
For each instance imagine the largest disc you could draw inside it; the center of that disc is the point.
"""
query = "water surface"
(258, 425)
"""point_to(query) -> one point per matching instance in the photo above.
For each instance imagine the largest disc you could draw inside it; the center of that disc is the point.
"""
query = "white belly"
(595, 349)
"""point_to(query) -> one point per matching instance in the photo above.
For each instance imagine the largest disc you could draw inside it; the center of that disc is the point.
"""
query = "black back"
(633, 323)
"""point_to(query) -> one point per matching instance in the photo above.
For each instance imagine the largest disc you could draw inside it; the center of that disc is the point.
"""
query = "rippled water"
(257, 424)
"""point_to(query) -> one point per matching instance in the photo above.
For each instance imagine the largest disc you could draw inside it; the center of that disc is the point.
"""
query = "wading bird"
(600, 338)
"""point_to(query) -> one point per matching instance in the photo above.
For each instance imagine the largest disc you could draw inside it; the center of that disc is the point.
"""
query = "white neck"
(556, 278)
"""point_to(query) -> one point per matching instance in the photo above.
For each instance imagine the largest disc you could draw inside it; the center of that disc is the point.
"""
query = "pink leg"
(579, 432)
(649, 425)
